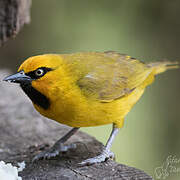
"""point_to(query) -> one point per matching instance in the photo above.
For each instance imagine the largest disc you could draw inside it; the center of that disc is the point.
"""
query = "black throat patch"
(35, 96)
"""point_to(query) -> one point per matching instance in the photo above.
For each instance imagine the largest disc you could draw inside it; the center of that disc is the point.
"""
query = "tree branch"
(13, 15)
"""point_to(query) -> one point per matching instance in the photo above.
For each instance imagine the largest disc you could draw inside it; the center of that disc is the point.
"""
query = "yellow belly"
(92, 113)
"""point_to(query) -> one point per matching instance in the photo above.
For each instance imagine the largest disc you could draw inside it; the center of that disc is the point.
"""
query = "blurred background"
(147, 30)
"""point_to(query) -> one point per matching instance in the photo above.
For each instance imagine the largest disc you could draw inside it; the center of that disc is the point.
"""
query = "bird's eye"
(39, 72)
(22, 72)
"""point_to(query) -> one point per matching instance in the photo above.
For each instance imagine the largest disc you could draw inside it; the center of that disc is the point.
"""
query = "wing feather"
(110, 81)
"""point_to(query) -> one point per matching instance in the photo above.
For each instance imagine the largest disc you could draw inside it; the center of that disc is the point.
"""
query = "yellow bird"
(85, 89)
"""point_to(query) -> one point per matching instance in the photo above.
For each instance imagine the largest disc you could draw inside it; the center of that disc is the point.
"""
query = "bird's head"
(35, 68)
(36, 75)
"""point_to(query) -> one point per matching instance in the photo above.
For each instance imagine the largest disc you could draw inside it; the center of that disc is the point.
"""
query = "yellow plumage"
(91, 89)
(85, 89)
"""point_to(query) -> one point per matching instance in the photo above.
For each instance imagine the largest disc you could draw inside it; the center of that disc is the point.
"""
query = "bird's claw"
(100, 158)
(45, 155)
(53, 152)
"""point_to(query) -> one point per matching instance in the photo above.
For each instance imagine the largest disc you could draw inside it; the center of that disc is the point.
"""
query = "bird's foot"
(54, 151)
(106, 154)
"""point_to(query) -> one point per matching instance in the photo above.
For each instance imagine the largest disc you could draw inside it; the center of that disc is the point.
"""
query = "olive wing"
(110, 81)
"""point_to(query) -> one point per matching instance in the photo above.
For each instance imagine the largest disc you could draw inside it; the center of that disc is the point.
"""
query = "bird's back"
(107, 76)
(111, 84)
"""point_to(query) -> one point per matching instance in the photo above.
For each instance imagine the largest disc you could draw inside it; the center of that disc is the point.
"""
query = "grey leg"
(106, 153)
(57, 147)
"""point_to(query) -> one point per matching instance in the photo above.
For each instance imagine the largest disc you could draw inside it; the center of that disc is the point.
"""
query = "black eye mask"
(36, 97)
(34, 75)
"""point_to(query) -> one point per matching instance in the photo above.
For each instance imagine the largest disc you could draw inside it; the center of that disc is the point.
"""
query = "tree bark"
(13, 15)
(24, 133)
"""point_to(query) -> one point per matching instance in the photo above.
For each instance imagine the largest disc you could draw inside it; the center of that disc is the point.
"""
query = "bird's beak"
(19, 77)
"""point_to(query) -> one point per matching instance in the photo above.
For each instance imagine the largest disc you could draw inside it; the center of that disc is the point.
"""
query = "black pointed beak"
(19, 77)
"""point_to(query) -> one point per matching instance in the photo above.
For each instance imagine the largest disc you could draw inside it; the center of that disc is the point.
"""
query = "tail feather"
(161, 66)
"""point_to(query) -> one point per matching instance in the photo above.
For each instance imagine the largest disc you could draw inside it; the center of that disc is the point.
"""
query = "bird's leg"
(57, 147)
(106, 153)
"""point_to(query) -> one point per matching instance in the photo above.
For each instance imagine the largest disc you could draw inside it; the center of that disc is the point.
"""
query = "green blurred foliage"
(148, 30)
